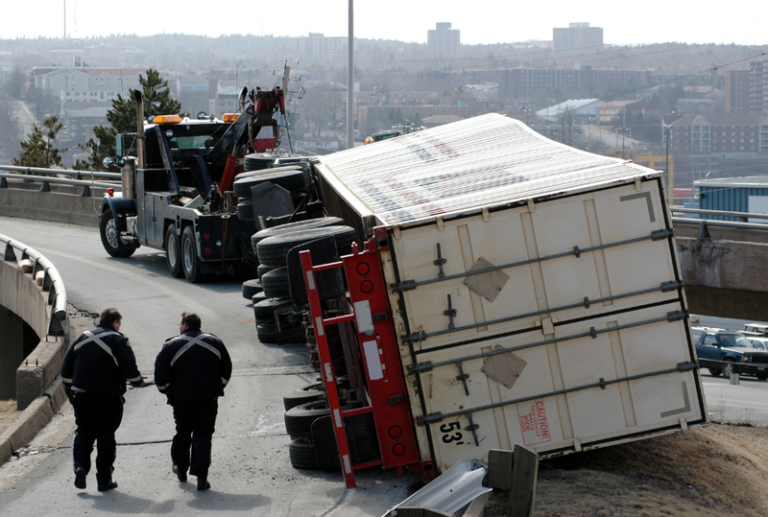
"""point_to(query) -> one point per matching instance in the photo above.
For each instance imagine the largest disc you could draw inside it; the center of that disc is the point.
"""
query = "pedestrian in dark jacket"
(94, 372)
(192, 371)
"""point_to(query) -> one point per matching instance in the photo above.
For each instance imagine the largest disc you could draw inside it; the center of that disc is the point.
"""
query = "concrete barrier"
(60, 205)
(43, 306)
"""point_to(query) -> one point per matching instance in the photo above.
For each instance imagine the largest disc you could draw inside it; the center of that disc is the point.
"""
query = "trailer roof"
(484, 161)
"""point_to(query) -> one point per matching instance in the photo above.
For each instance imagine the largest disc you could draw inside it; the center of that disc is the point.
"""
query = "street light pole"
(350, 79)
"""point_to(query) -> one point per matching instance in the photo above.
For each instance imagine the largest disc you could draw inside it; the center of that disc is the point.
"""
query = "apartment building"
(317, 47)
(730, 135)
(577, 37)
(443, 39)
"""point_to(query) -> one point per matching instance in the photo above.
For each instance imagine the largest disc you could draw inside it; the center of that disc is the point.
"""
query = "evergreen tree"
(122, 117)
(38, 149)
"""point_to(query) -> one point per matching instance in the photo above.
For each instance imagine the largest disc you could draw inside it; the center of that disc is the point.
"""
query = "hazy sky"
(482, 21)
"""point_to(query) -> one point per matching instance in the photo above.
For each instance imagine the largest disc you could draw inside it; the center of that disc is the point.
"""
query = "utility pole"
(65, 19)
(351, 80)
(623, 130)
(670, 184)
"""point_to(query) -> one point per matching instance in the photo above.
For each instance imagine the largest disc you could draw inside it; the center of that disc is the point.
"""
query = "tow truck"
(177, 189)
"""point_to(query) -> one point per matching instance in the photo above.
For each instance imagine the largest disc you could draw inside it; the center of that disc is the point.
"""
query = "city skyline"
(652, 22)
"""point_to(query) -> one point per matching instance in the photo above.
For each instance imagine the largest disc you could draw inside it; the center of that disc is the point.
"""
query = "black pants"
(97, 415)
(195, 423)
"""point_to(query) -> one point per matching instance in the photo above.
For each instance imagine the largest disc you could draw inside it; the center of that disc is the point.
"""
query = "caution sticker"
(533, 422)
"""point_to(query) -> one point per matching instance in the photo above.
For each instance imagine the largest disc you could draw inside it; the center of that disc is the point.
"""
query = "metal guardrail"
(46, 182)
(52, 282)
(744, 216)
(43, 172)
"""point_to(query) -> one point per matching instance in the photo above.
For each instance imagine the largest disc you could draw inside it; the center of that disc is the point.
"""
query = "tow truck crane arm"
(258, 113)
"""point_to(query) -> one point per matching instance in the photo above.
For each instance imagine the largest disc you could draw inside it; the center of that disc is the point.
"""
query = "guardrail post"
(46, 187)
(78, 175)
(3, 182)
(86, 192)
(27, 173)
(9, 254)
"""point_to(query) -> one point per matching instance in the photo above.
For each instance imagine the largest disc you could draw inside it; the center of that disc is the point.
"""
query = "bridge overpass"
(725, 269)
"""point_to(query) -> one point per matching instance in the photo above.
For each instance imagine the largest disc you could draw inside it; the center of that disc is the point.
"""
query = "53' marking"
(452, 433)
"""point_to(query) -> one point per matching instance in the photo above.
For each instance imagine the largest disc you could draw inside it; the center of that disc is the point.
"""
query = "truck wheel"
(728, 367)
(172, 252)
(264, 269)
(275, 283)
(302, 454)
(298, 420)
(297, 398)
(715, 371)
(190, 262)
(288, 179)
(320, 222)
(251, 288)
(267, 333)
(273, 250)
(244, 210)
(110, 237)
(265, 310)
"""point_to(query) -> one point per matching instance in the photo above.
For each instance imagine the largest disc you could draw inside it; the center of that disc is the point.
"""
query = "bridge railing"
(46, 181)
(52, 283)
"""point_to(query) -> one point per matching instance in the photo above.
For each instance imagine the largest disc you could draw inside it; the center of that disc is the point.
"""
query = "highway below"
(251, 473)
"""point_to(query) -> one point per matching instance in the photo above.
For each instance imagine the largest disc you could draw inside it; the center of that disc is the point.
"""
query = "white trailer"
(534, 295)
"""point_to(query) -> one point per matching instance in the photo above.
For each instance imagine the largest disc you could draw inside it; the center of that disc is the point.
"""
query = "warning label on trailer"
(533, 422)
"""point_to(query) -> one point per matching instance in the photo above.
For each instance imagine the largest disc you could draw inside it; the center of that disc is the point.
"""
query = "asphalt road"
(251, 473)
(746, 402)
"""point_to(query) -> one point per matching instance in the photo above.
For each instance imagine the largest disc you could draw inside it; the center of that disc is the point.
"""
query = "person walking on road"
(192, 370)
(94, 372)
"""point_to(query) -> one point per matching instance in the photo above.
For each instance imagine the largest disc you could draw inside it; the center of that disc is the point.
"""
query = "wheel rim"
(188, 255)
(173, 250)
(111, 233)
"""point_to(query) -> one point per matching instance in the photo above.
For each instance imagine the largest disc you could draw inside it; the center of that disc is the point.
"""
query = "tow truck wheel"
(190, 262)
(172, 255)
(110, 237)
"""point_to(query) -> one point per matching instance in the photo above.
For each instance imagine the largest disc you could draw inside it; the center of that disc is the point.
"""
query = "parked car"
(726, 352)
(755, 329)
(760, 343)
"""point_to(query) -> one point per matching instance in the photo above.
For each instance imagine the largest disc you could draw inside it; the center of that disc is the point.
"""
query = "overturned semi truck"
(504, 289)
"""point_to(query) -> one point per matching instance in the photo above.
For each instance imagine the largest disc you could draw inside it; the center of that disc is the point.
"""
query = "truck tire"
(715, 371)
(190, 262)
(265, 309)
(267, 333)
(297, 398)
(251, 288)
(244, 210)
(272, 250)
(258, 297)
(258, 161)
(321, 222)
(275, 283)
(298, 420)
(301, 451)
(173, 252)
(264, 269)
(290, 180)
(291, 335)
(110, 237)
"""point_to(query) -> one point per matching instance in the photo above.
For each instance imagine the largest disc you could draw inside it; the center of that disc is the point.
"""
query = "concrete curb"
(37, 415)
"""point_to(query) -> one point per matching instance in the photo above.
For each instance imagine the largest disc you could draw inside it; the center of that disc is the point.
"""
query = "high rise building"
(737, 91)
(758, 87)
(443, 39)
(577, 37)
